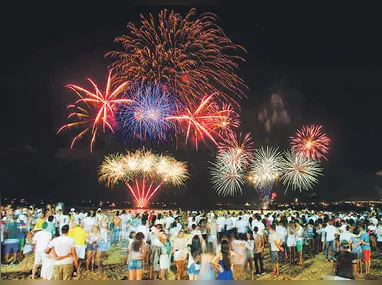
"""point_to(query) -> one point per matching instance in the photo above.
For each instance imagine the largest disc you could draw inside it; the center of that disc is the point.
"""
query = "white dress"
(47, 268)
(291, 240)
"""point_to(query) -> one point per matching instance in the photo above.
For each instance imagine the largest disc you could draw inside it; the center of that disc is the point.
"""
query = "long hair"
(136, 245)
(196, 247)
(226, 255)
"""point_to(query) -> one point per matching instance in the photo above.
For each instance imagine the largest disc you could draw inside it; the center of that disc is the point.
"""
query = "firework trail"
(94, 110)
(144, 118)
(143, 172)
(190, 55)
(300, 172)
(311, 142)
(243, 146)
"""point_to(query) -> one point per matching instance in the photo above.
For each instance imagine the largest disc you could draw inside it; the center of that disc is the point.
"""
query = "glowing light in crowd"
(143, 172)
(201, 122)
(144, 118)
(266, 167)
(311, 142)
(299, 171)
(94, 110)
(190, 55)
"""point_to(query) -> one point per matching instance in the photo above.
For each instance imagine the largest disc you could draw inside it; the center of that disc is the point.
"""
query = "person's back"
(78, 234)
(42, 240)
(344, 264)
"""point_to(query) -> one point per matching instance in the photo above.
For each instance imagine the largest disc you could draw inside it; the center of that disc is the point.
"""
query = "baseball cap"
(344, 242)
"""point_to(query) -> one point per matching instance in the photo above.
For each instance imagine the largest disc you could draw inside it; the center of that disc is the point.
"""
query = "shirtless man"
(117, 223)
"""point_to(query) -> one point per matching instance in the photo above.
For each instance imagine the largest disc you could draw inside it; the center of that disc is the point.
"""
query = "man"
(220, 224)
(345, 262)
(379, 236)
(228, 225)
(51, 228)
(331, 233)
(117, 222)
(168, 221)
(12, 240)
(258, 249)
(276, 245)
(79, 235)
(346, 234)
(241, 226)
(41, 241)
(65, 249)
(259, 224)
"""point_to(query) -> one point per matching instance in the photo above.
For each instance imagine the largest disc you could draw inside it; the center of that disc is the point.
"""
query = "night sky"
(324, 62)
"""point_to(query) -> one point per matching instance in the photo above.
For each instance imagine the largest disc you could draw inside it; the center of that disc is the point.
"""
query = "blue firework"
(143, 119)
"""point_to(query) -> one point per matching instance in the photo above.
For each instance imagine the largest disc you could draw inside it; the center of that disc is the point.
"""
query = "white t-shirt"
(229, 224)
(275, 236)
(259, 225)
(241, 226)
(168, 221)
(330, 232)
(283, 232)
(346, 236)
(42, 240)
(63, 245)
(374, 221)
(379, 234)
(221, 223)
(372, 228)
(89, 222)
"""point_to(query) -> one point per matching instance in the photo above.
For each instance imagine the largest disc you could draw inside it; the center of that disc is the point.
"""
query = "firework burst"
(94, 110)
(191, 56)
(144, 118)
(311, 142)
(300, 172)
(266, 167)
(201, 122)
(143, 172)
(243, 146)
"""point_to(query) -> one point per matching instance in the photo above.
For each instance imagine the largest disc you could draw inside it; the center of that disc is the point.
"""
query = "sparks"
(94, 110)
(311, 142)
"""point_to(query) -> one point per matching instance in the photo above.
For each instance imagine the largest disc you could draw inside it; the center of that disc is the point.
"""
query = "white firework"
(300, 172)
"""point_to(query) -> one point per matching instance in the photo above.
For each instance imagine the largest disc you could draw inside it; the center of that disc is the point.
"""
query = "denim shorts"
(194, 269)
(11, 247)
(135, 264)
(275, 257)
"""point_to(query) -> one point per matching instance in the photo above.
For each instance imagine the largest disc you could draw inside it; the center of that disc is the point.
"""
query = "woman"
(250, 253)
(298, 235)
(91, 246)
(102, 247)
(136, 253)
(154, 255)
(241, 247)
(207, 271)
(164, 260)
(223, 261)
(291, 242)
(195, 257)
(180, 253)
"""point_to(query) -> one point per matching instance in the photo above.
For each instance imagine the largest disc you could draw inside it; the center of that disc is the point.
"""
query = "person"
(102, 246)
(249, 253)
(153, 254)
(299, 244)
(47, 268)
(180, 253)
(330, 236)
(116, 228)
(379, 236)
(12, 240)
(41, 241)
(366, 250)
(372, 229)
(78, 234)
(220, 224)
(276, 244)
(207, 271)
(223, 261)
(51, 228)
(194, 259)
(258, 251)
(241, 247)
(136, 254)
(65, 255)
(355, 243)
(345, 262)
(291, 242)
(164, 259)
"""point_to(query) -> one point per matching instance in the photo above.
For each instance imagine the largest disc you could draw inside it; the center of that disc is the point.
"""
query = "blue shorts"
(11, 247)
(193, 270)
(102, 246)
(135, 264)
(275, 257)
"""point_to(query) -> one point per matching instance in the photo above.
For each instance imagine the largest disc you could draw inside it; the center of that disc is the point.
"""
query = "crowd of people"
(208, 245)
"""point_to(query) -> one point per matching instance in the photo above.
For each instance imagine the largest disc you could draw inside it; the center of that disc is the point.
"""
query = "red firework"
(311, 142)
(94, 110)
(203, 121)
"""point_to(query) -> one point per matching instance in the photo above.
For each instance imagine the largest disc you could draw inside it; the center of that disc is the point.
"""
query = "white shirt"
(275, 236)
(346, 236)
(330, 232)
(221, 223)
(63, 245)
(379, 234)
(229, 224)
(143, 229)
(168, 221)
(283, 232)
(241, 226)
(374, 221)
(259, 225)
(42, 240)
(299, 233)
(89, 222)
